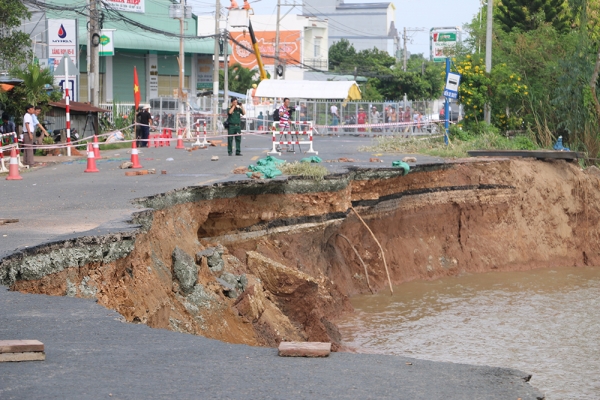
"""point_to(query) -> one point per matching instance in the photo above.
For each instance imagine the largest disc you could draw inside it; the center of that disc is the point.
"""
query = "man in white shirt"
(28, 132)
(335, 117)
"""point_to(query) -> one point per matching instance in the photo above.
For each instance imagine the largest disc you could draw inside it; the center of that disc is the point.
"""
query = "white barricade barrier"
(204, 143)
(277, 143)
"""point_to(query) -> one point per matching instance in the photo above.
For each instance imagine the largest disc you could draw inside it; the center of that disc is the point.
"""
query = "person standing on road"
(235, 113)
(284, 115)
(28, 135)
(374, 118)
(7, 126)
(145, 123)
(36, 124)
(335, 117)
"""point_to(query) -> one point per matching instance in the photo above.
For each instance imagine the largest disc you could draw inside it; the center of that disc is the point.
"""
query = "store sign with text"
(62, 39)
(136, 6)
(289, 48)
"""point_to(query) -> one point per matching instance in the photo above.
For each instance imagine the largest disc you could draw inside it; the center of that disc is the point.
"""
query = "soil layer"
(258, 263)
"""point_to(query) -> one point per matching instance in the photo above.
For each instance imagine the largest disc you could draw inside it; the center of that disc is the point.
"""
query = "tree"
(340, 52)
(36, 89)
(239, 78)
(14, 44)
(527, 15)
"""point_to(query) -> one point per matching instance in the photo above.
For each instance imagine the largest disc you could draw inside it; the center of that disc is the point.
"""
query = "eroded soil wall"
(258, 263)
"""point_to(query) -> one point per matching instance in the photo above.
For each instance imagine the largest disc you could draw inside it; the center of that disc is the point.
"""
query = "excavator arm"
(261, 67)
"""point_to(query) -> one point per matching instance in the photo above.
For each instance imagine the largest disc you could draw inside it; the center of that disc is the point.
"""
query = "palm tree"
(35, 82)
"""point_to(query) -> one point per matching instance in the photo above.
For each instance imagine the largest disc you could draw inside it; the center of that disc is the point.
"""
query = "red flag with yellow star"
(136, 89)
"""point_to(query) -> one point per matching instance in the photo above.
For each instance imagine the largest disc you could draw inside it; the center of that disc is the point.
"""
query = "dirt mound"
(260, 263)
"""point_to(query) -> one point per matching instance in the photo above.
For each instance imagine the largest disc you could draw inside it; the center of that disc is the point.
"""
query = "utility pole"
(181, 59)
(94, 56)
(404, 55)
(487, 112)
(215, 105)
(276, 61)
(226, 70)
(405, 50)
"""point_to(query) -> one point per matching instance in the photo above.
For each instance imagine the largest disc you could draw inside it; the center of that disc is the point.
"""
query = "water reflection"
(545, 322)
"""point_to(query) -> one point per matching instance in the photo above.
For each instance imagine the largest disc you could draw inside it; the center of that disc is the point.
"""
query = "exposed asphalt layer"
(91, 353)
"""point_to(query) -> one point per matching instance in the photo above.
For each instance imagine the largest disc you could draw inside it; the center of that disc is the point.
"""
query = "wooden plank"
(4, 221)
(541, 154)
(20, 346)
(304, 349)
(29, 356)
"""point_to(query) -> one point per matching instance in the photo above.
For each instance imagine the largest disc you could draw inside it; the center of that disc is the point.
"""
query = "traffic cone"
(2, 166)
(91, 160)
(13, 168)
(96, 147)
(135, 160)
(180, 141)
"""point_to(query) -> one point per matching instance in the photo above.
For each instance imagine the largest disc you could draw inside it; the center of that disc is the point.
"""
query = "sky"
(409, 13)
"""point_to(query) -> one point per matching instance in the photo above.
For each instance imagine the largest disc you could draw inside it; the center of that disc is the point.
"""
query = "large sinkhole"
(258, 263)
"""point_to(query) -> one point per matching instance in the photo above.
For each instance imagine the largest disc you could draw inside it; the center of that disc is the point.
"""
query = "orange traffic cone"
(96, 147)
(180, 141)
(13, 167)
(91, 160)
(134, 156)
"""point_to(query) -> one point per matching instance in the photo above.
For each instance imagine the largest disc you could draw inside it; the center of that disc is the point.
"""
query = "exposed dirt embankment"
(258, 263)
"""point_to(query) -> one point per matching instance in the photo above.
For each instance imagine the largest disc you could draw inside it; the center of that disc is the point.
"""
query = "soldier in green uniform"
(235, 118)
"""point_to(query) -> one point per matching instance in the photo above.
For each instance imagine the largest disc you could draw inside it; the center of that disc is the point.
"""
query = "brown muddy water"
(545, 322)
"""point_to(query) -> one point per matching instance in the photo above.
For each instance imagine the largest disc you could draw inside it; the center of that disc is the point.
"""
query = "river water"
(545, 322)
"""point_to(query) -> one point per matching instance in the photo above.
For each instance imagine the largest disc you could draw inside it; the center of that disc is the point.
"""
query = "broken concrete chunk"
(304, 349)
(185, 270)
(126, 164)
(410, 159)
(276, 277)
(228, 289)
(215, 260)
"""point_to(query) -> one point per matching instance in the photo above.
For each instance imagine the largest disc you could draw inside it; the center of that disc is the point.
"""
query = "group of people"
(32, 131)
(410, 122)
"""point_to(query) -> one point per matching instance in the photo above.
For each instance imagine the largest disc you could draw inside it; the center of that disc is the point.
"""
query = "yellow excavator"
(263, 73)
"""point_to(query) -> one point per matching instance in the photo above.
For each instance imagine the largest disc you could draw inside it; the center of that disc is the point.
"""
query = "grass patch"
(456, 147)
(309, 170)
(115, 146)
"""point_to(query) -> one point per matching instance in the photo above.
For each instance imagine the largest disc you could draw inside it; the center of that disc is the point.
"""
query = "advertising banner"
(62, 39)
(152, 76)
(107, 45)
(205, 72)
(443, 43)
(289, 48)
(136, 6)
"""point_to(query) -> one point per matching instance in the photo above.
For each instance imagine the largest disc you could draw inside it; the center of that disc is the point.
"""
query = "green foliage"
(527, 15)
(14, 44)
(387, 79)
(239, 78)
(310, 170)
(460, 143)
(36, 89)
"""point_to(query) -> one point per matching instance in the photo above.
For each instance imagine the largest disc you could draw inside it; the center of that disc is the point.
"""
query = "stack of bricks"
(21, 350)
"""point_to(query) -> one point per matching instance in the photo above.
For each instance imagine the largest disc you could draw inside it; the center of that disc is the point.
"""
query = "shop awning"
(76, 106)
(309, 89)
(144, 40)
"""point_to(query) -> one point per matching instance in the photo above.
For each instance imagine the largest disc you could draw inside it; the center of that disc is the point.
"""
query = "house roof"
(76, 106)
(143, 40)
(308, 89)
(361, 6)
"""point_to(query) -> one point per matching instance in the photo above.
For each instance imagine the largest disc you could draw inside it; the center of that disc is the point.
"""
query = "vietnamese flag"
(136, 89)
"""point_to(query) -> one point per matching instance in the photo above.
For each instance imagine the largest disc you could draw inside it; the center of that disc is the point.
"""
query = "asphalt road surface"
(92, 354)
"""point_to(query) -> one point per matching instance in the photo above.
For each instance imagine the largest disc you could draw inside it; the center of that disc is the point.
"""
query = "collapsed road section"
(263, 262)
